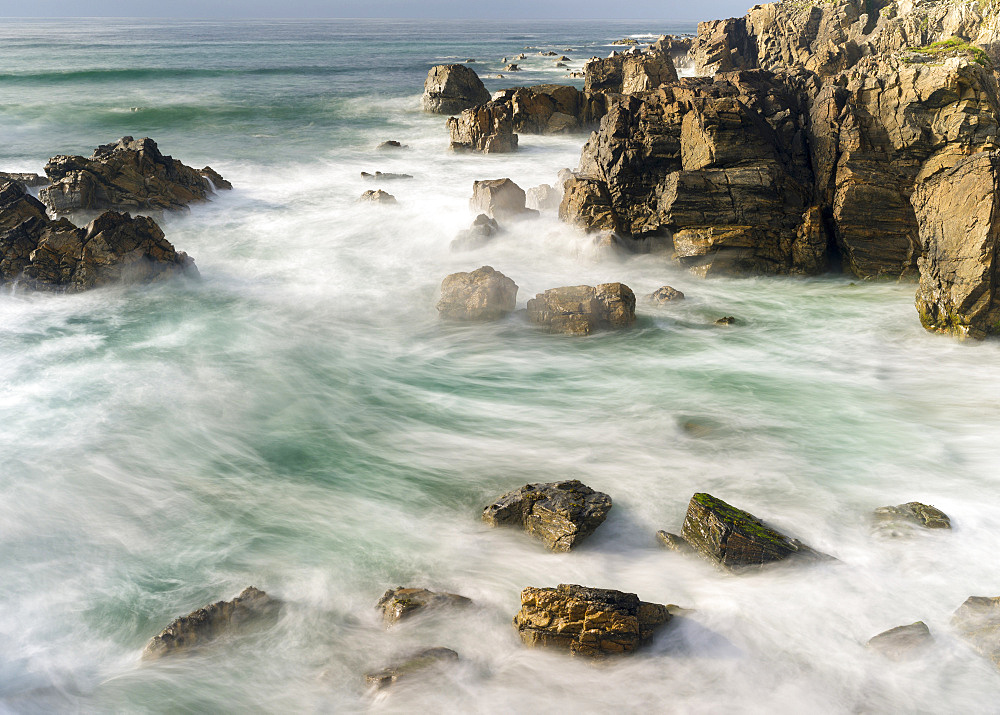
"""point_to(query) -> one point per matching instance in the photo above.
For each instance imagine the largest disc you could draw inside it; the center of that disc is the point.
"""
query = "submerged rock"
(560, 514)
(206, 624)
(726, 320)
(476, 236)
(902, 642)
(736, 539)
(666, 294)
(978, 623)
(380, 176)
(499, 198)
(587, 621)
(399, 603)
(128, 175)
(580, 310)
(421, 661)
(378, 197)
(449, 89)
(483, 294)
(912, 513)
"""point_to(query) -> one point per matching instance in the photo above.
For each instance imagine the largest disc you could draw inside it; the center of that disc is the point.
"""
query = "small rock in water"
(665, 295)
(736, 539)
(587, 621)
(521, 56)
(580, 310)
(379, 176)
(512, 68)
(727, 320)
(421, 661)
(399, 603)
(564, 58)
(468, 61)
(478, 235)
(391, 145)
(206, 624)
(483, 294)
(902, 642)
(560, 514)
(978, 623)
(674, 542)
(499, 198)
(378, 197)
(911, 513)
(560, 64)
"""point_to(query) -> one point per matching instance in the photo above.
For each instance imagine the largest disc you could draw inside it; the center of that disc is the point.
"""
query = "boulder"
(208, 623)
(736, 539)
(586, 621)
(666, 294)
(399, 603)
(902, 642)
(483, 294)
(478, 235)
(378, 197)
(560, 514)
(422, 661)
(129, 175)
(487, 128)
(27, 180)
(978, 623)
(580, 310)
(449, 89)
(543, 198)
(626, 74)
(726, 320)
(391, 145)
(912, 512)
(381, 176)
(17, 206)
(511, 68)
(500, 198)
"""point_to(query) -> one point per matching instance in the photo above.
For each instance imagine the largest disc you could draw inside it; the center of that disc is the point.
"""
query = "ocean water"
(300, 419)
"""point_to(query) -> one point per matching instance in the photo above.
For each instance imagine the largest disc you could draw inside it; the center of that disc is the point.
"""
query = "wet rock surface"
(377, 196)
(560, 514)
(665, 294)
(420, 663)
(449, 89)
(911, 513)
(673, 542)
(581, 310)
(587, 621)
(208, 623)
(399, 603)
(478, 235)
(482, 294)
(978, 623)
(902, 642)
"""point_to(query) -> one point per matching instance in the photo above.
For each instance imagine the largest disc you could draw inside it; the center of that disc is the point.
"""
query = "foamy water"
(299, 419)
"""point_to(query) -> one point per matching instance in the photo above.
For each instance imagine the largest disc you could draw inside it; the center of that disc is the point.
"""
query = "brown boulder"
(378, 197)
(483, 229)
(666, 294)
(449, 89)
(483, 294)
(580, 310)
(500, 198)
(399, 603)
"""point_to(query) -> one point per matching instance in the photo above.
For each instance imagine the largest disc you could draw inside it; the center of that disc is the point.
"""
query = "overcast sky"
(499, 9)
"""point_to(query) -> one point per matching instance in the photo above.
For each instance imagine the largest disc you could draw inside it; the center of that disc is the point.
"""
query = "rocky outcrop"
(913, 513)
(543, 198)
(129, 175)
(420, 662)
(449, 89)
(902, 642)
(500, 198)
(218, 183)
(37, 253)
(585, 621)
(207, 624)
(399, 603)
(629, 73)
(560, 514)
(978, 623)
(665, 294)
(580, 310)
(487, 128)
(26, 180)
(478, 235)
(483, 294)
(736, 539)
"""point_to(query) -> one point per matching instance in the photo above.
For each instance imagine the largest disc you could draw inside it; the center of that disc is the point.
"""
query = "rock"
(626, 74)
(625, 41)
(418, 662)
(478, 235)
(593, 622)
(736, 539)
(207, 624)
(560, 514)
(449, 89)
(468, 61)
(129, 175)
(563, 58)
(666, 294)
(379, 176)
(560, 64)
(218, 183)
(543, 198)
(978, 623)
(399, 603)
(378, 197)
(580, 310)
(500, 198)
(674, 542)
(483, 294)
(521, 56)
(37, 253)
(391, 145)
(550, 53)
(902, 642)
(511, 68)
(27, 180)
(914, 513)
(727, 320)
(488, 128)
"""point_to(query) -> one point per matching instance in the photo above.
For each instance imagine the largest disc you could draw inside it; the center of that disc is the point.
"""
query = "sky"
(459, 9)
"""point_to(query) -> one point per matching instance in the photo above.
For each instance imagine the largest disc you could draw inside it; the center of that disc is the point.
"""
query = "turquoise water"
(300, 420)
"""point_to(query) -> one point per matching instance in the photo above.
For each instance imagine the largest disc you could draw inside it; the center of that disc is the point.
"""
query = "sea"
(300, 419)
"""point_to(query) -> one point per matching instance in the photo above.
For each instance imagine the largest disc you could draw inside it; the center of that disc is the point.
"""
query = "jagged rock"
(587, 621)
(627, 74)
(587, 204)
(449, 89)
(673, 542)
(206, 624)
(128, 175)
(666, 294)
(902, 642)
(580, 310)
(734, 538)
(488, 128)
(37, 253)
(378, 197)
(978, 623)
(478, 235)
(421, 661)
(391, 145)
(399, 603)
(27, 180)
(380, 176)
(218, 183)
(543, 198)
(511, 68)
(560, 514)
(913, 513)
(500, 198)
(483, 294)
